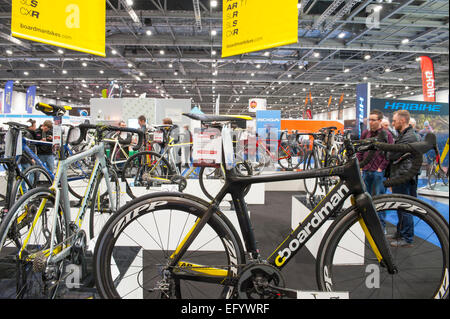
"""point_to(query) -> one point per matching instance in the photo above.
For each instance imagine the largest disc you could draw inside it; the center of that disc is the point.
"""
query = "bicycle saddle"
(217, 118)
(328, 128)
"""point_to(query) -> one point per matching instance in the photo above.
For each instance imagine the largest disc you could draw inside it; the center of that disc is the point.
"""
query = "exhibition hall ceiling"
(172, 49)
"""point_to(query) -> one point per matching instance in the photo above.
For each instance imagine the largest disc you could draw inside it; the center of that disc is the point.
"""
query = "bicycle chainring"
(260, 281)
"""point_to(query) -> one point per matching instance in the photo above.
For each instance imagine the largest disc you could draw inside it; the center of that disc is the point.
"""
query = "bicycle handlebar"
(102, 128)
(51, 109)
(415, 150)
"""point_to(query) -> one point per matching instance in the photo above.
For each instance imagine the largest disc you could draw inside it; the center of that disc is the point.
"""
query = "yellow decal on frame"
(253, 25)
(73, 24)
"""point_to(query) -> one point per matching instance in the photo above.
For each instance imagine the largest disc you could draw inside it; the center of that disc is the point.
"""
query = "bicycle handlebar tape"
(51, 109)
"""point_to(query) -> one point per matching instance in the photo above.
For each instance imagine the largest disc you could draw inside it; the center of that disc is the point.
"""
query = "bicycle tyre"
(100, 208)
(242, 169)
(139, 164)
(20, 223)
(114, 244)
(310, 183)
(289, 156)
(18, 190)
(370, 280)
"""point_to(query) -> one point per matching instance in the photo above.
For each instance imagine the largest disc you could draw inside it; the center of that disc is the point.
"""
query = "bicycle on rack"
(190, 249)
(323, 154)
(435, 171)
(19, 181)
(39, 235)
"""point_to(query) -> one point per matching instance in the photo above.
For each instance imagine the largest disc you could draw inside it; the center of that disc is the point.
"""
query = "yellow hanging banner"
(253, 25)
(73, 24)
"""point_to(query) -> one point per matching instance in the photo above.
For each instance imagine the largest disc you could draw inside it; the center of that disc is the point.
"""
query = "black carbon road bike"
(175, 245)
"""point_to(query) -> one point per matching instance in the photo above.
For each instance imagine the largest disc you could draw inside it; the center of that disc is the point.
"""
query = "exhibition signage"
(31, 95)
(207, 147)
(8, 97)
(253, 25)
(268, 126)
(77, 24)
(414, 107)
(362, 106)
(257, 105)
(428, 85)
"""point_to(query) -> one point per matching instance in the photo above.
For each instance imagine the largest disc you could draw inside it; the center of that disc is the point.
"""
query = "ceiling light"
(213, 4)
(258, 66)
(64, 71)
(60, 51)
(84, 64)
(101, 71)
(42, 65)
(378, 8)
(253, 74)
(367, 57)
(213, 52)
(341, 35)
(170, 65)
(9, 52)
(113, 51)
(130, 2)
(404, 41)
(418, 59)
(365, 78)
(327, 78)
(148, 32)
(289, 75)
(175, 73)
(300, 66)
(26, 73)
(213, 32)
(347, 70)
(316, 54)
(161, 52)
(49, 81)
(267, 53)
(387, 70)
(400, 79)
(130, 65)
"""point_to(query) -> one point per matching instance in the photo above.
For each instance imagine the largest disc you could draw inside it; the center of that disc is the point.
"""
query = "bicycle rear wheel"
(290, 156)
(25, 245)
(311, 183)
(347, 263)
(145, 169)
(134, 248)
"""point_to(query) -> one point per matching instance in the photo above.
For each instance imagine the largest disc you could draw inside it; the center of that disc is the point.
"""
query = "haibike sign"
(414, 107)
(311, 225)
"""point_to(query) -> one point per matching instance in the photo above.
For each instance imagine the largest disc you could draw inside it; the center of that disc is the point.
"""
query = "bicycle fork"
(373, 230)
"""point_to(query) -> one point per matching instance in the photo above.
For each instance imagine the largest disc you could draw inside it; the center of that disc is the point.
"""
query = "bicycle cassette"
(260, 281)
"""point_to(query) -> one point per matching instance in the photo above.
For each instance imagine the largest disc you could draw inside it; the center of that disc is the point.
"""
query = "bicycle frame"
(60, 187)
(117, 145)
(350, 184)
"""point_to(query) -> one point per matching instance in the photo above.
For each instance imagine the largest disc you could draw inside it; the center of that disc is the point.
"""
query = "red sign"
(428, 84)
(309, 114)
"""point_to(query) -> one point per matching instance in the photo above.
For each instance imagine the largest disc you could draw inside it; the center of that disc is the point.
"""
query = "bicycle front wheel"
(25, 241)
(346, 261)
(133, 251)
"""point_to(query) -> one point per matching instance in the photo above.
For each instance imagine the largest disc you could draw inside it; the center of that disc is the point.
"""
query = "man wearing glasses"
(373, 172)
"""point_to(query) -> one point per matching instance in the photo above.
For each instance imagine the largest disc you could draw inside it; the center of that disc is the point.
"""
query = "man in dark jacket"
(45, 151)
(400, 164)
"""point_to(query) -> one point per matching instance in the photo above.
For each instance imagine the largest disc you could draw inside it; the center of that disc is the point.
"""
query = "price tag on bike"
(57, 133)
(158, 137)
(207, 147)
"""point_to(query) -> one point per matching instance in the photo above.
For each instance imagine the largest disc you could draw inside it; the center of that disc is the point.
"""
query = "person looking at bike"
(400, 165)
(45, 151)
(374, 171)
(124, 138)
